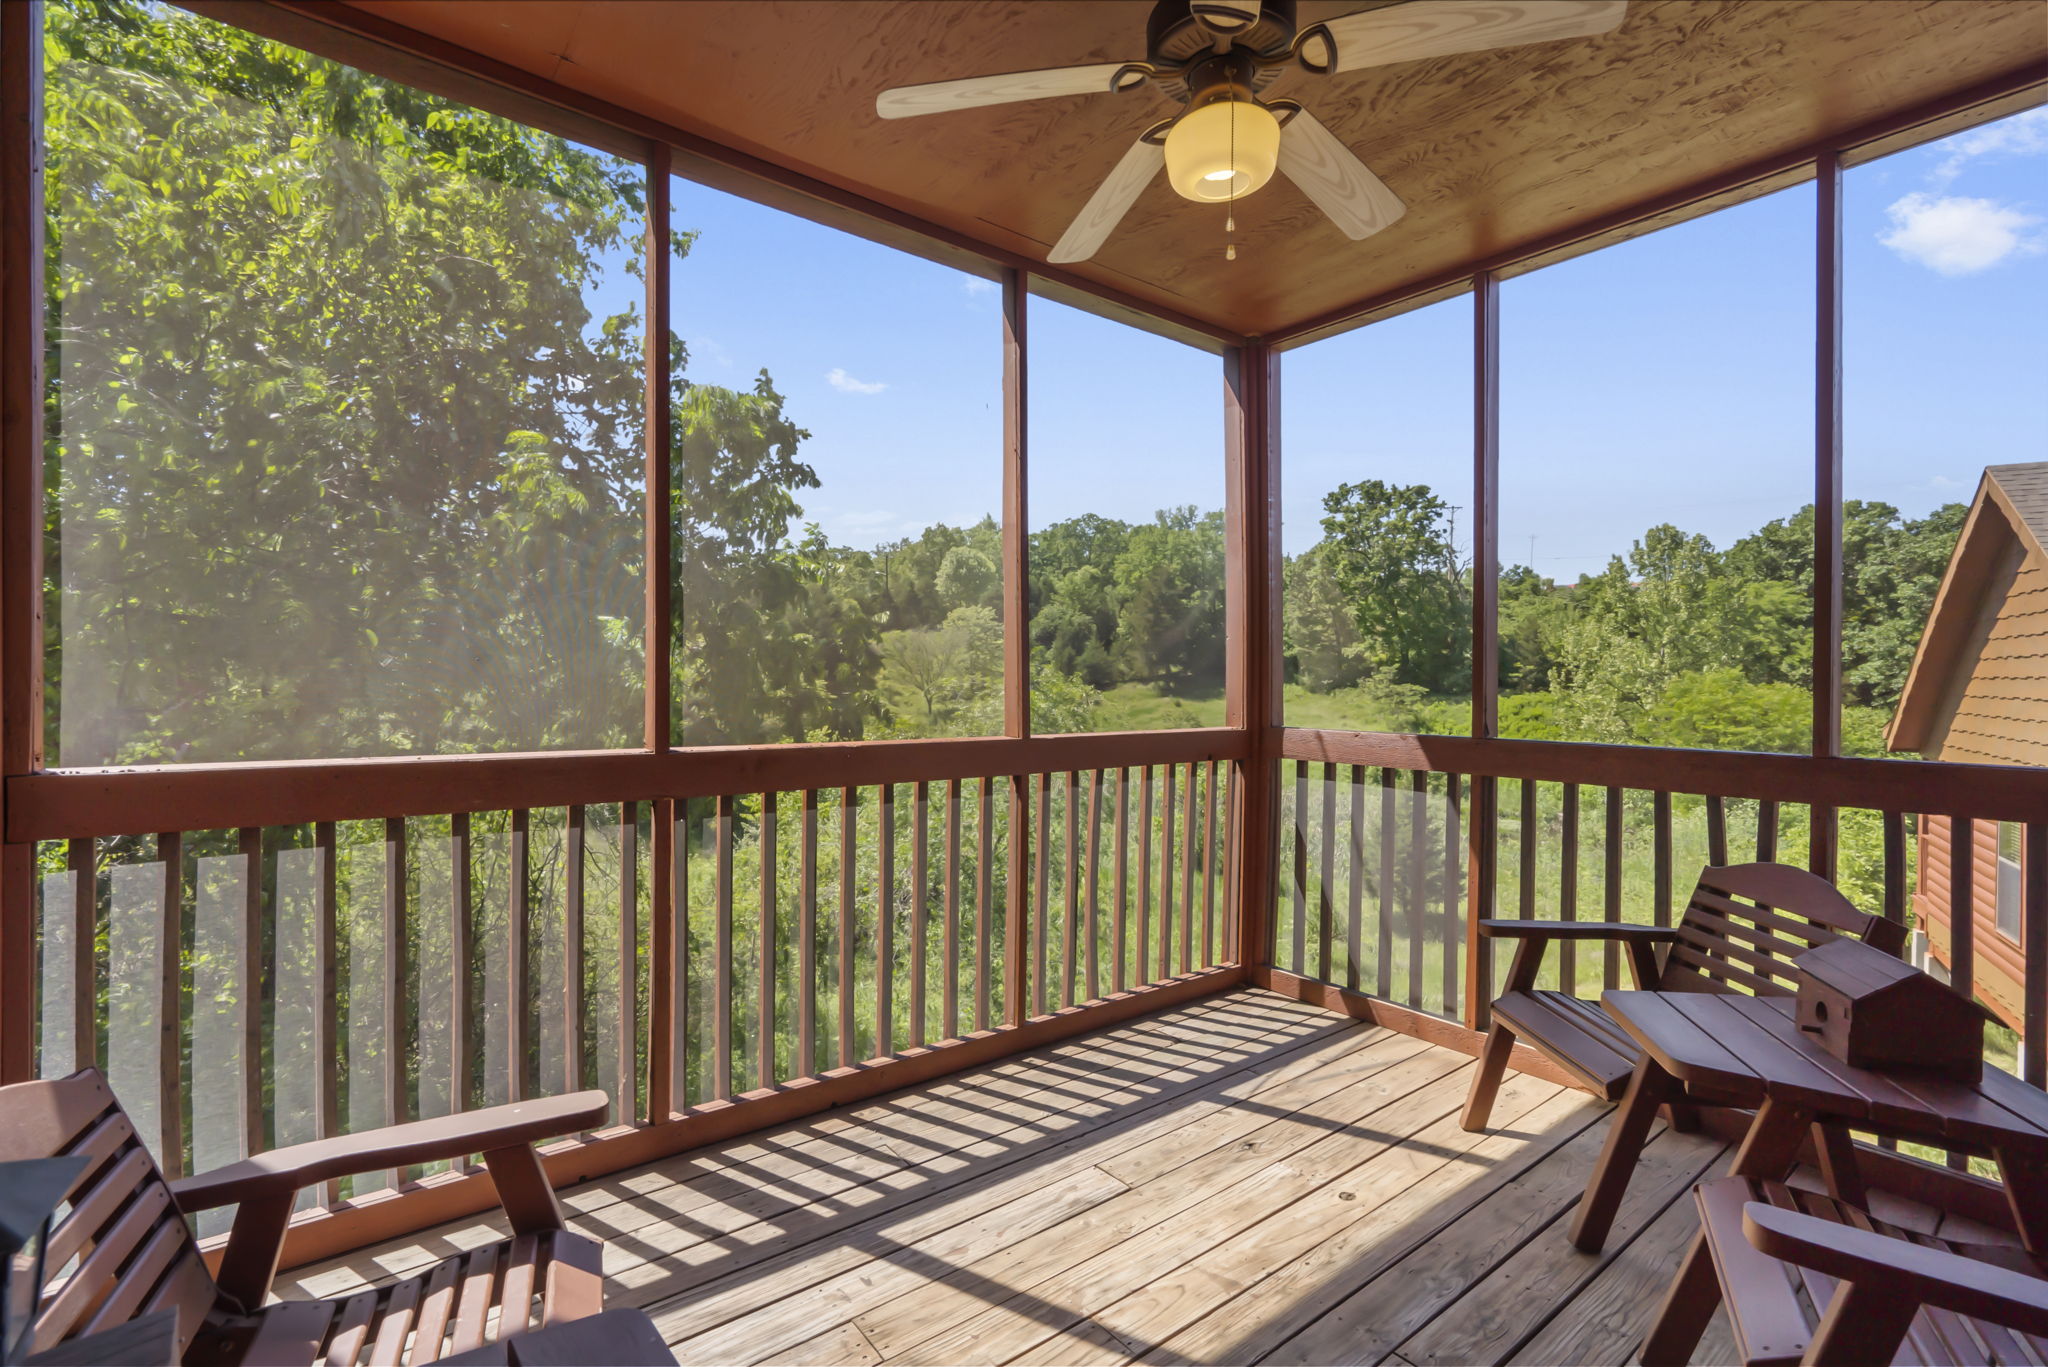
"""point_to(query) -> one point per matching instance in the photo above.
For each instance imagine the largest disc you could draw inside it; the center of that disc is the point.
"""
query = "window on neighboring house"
(2009, 879)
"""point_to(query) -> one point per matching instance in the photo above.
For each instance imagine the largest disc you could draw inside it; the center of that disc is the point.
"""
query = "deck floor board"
(1240, 1179)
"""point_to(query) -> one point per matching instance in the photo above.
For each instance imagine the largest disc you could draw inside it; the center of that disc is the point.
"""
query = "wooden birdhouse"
(1872, 1011)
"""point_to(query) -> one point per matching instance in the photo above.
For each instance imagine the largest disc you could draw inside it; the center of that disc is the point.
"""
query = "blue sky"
(1665, 379)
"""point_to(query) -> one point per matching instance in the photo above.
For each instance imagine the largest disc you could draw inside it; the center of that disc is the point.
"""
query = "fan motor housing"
(1173, 35)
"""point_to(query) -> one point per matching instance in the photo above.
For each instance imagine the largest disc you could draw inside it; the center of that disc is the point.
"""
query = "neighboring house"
(1978, 694)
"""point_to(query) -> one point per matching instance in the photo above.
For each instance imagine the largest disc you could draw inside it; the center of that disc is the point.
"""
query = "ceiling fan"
(1225, 143)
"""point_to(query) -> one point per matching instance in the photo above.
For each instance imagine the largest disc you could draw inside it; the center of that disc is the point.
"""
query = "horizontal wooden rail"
(62, 804)
(1985, 791)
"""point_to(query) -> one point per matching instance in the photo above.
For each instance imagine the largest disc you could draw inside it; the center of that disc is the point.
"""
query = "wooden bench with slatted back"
(1742, 928)
(120, 1247)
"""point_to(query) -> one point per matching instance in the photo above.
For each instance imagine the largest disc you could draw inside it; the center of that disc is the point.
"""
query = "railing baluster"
(920, 887)
(721, 951)
(1070, 888)
(461, 1061)
(885, 921)
(1453, 919)
(984, 846)
(1299, 900)
(170, 852)
(1144, 875)
(667, 941)
(683, 973)
(1568, 886)
(1610, 964)
(397, 1029)
(249, 1111)
(849, 811)
(766, 1073)
(1123, 827)
(1041, 925)
(1093, 864)
(1389, 882)
(1418, 881)
(2034, 953)
(1766, 831)
(627, 1082)
(1187, 871)
(1962, 904)
(1354, 883)
(1209, 865)
(951, 939)
(1166, 854)
(572, 952)
(1233, 854)
(1016, 934)
(1717, 831)
(81, 858)
(326, 1013)
(807, 940)
(1526, 851)
(1326, 897)
(1894, 824)
(519, 997)
(1660, 824)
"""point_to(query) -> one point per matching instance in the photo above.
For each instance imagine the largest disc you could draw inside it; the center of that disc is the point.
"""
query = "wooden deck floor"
(1245, 1179)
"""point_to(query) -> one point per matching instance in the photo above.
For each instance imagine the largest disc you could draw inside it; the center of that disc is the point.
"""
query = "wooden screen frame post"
(1483, 814)
(21, 506)
(1016, 622)
(1823, 836)
(1253, 698)
(663, 991)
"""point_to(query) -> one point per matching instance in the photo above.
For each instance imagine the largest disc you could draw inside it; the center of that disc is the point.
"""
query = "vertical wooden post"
(849, 917)
(665, 1022)
(1251, 404)
(82, 859)
(1016, 525)
(1823, 838)
(807, 938)
(1483, 822)
(656, 522)
(765, 955)
(920, 837)
(626, 1086)
(21, 508)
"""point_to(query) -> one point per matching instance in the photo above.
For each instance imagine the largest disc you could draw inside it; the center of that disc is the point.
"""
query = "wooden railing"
(260, 985)
(1388, 846)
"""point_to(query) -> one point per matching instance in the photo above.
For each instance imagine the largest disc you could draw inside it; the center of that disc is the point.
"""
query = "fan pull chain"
(1230, 226)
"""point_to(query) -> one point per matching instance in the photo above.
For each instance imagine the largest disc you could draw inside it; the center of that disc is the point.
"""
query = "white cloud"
(1953, 235)
(977, 286)
(2023, 135)
(846, 384)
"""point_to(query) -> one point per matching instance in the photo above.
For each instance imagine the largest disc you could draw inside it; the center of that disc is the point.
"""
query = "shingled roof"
(1978, 689)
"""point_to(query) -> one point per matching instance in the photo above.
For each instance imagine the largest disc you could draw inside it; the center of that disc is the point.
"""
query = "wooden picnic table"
(1748, 1052)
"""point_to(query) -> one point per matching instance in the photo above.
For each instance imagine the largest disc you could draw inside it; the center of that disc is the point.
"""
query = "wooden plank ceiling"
(1489, 150)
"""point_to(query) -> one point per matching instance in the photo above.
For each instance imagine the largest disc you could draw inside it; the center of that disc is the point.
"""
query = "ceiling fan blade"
(975, 92)
(1336, 180)
(1439, 28)
(1110, 202)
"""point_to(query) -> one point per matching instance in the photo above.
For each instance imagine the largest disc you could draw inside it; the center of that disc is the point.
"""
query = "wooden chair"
(1740, 932)
(1811, 1279)
(121, 1248)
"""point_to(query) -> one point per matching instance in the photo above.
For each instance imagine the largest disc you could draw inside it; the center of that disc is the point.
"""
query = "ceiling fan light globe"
(1222, 151)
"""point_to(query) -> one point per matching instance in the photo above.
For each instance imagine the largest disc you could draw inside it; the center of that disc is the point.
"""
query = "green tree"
(1389, 549)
